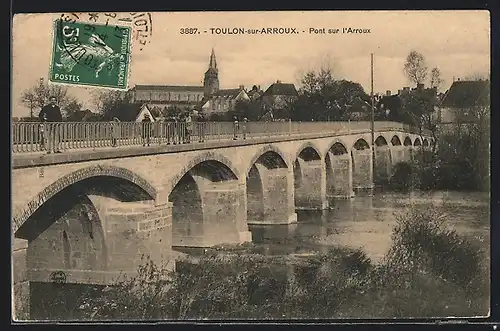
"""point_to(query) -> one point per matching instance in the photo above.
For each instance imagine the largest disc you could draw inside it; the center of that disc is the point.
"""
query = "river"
(367, 222)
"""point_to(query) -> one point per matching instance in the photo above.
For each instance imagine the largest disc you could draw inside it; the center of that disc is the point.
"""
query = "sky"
(457, 42)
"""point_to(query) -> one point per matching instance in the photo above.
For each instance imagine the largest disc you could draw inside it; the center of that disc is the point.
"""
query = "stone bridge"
(93, 214)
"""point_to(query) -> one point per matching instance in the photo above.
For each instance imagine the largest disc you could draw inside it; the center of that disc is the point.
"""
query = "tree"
(72, 108)
(103, 100)
(252, 110)
(471, 138)
(38, 96)
(29, 99)
(415, 68)
(324, 98)
(107, 102)
(173, 112)
(436, 79)
(478, 76)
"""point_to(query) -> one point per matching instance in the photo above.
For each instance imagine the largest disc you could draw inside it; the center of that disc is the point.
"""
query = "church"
(208, 98)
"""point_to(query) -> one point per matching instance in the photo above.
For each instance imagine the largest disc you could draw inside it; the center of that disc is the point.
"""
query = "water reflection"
(367, 222)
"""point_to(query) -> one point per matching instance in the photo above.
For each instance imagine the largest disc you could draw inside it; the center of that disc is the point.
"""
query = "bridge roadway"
(90, 214)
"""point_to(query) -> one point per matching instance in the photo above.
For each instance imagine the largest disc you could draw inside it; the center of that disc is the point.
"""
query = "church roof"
(173, 88)
(230, 92)
(279, 88)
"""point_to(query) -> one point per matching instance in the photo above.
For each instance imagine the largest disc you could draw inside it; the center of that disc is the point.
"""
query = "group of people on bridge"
(171, 132)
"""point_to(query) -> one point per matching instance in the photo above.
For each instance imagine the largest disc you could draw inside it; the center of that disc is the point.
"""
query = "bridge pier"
(310, 185)
(135, 230)
(127, 232)
(382, 163)
(217, 216)
(20, 280)
(408, 152)
(399, 154)
(224, 214)
(340, 180)
(362, 174)
(275, 202)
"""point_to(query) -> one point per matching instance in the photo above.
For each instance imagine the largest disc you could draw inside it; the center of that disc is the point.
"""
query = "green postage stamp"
(90, 54)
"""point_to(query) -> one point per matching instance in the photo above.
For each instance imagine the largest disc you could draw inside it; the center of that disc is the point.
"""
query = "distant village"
(209, 102)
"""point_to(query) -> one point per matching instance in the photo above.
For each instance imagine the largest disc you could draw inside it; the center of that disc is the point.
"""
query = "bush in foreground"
(430, 271)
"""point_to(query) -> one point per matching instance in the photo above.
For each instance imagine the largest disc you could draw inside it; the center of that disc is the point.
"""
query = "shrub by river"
(429, 271)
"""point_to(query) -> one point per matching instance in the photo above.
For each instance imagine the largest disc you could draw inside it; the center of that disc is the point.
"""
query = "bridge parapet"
(28, 137)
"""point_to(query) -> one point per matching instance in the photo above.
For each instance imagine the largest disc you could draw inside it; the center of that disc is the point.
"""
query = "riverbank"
(429, 270)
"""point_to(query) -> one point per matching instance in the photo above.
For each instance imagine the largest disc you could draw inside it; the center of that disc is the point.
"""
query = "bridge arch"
(361, 158)
(338, 163)
(269, 187)
(227, 166)
(407, 141)
(425, 142)
(306, 145)
(395, 141)
(265, 149)
(336, 142)
(360, 144)
(417, 142)
(78, 176)
(67, 225)
(308, 173)
(381, 141)
(196, 198)
(383, 157)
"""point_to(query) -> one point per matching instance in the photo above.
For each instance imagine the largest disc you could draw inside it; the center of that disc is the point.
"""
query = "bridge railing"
(33, 137)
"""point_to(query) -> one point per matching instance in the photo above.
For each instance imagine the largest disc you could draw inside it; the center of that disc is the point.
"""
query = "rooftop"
(465, 94)
(231, 92)
(169, 88)
(125, 113)
(280, 88)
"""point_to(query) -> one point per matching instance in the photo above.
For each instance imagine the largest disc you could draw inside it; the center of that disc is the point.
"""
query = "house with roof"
(134, 112)
(277, 98)
(255, 93)
(462, 102)
(224, 100)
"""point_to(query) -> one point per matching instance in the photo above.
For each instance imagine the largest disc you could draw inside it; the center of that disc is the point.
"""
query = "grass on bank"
(429, 271)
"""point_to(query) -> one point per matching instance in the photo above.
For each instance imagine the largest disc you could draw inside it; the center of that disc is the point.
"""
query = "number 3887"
(189, 31)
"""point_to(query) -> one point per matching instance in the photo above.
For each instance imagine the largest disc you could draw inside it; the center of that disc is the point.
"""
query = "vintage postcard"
(250, 165)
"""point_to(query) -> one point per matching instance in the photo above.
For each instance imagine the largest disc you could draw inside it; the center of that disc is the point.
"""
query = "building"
(389, 105)
(224, 100)
(255, 93)
(278, 97)
(208, 98)
(163, 97)
(134, 112)
(463, 102)
(186, 97)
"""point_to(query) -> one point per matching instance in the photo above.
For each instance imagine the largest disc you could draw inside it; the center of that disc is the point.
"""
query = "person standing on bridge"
(115, 131)
(244, 127)
(189, 127)
(50, 115)
(146, 130)
(236, 128)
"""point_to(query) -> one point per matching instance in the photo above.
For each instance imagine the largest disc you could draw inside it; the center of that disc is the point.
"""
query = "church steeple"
(213, 61)
(211, 81)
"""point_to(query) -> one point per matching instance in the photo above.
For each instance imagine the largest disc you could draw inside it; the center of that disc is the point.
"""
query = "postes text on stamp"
(90, 54)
